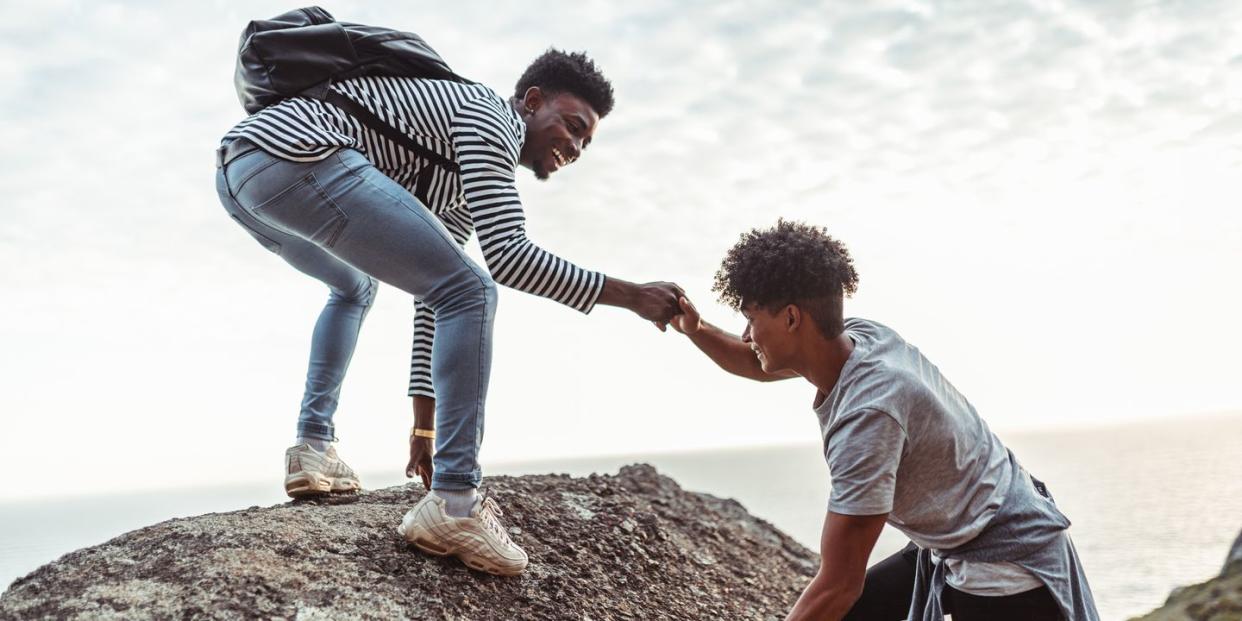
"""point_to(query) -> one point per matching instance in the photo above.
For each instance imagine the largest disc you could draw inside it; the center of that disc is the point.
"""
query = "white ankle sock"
(457, 502)
(315, 443)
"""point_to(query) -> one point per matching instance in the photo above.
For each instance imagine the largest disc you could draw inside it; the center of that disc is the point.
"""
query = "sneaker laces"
(491, 514)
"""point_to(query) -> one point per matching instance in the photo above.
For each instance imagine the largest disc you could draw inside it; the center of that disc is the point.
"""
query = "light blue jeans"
(343, 222)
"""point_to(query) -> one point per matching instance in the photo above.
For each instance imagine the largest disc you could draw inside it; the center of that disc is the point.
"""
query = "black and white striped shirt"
(467, 123)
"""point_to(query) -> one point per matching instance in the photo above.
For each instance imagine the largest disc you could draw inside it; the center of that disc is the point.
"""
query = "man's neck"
(824, 361)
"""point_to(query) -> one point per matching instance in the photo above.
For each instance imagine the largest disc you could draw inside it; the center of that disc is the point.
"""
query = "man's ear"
(793, 317)
(533, 98)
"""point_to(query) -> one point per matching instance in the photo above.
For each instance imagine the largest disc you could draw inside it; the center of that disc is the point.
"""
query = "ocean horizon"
(1154, 504)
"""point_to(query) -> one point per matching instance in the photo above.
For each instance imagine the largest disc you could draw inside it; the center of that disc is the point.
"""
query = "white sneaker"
(480, 541)
(309, 472)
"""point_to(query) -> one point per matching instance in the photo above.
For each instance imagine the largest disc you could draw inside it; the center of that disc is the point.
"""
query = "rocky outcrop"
(630, 546)
(1218, 599)
(1235, 552)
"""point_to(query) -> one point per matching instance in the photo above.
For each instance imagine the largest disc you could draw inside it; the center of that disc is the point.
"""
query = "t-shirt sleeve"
(863, 452)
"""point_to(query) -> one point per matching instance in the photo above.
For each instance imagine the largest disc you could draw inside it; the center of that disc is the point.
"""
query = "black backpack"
(300, 53)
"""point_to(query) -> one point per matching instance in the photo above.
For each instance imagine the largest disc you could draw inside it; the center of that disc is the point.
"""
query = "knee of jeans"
(362, 293)
(490, 295)
(467, 289)
(483, 291)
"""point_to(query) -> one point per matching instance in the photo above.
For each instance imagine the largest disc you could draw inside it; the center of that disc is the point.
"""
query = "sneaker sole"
(345, 485)
(421, 540)
(304, 484)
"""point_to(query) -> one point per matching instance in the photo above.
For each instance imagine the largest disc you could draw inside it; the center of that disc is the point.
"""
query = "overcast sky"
(1041, 195)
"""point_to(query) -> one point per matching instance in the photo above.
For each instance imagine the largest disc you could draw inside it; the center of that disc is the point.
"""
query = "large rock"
(630, 546)
(1218, 599)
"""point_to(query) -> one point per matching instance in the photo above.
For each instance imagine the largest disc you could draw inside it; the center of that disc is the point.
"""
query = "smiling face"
(558, 128)
(770, 334)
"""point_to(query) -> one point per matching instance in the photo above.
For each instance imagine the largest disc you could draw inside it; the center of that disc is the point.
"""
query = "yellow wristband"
(430, 434)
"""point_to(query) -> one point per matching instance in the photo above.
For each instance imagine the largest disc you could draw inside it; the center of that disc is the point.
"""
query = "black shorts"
(890, 586)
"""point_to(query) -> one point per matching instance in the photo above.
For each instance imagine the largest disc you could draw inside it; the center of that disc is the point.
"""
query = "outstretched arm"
(725, 349)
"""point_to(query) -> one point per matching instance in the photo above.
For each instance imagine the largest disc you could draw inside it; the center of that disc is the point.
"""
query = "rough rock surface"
(1218, 599)
(630, 546)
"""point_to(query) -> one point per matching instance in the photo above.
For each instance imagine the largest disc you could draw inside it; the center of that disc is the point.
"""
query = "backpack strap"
(422, 185)
(376, 124)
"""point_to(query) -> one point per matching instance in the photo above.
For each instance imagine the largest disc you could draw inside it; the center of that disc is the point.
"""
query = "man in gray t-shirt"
(903, 446)
(899, 439)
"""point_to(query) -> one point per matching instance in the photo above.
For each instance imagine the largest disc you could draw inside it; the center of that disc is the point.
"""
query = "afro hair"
(557, 72)
(790, 263)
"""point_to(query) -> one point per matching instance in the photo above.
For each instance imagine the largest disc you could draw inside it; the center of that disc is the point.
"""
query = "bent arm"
(845, 545)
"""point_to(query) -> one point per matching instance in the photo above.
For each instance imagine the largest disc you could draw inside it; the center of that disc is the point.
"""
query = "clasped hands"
(666, 304)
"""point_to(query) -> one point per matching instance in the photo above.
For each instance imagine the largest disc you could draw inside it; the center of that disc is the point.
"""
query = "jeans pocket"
(305, 210)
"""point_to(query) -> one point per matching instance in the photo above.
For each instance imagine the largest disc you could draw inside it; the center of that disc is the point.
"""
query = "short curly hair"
(790, 263)
(556, 72)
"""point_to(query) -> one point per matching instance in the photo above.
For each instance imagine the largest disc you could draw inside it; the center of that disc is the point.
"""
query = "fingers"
(677, 292)
(672, 306)
(662, 325)
(687, 306)
(670, 291)
(420, 461)
(421, 466)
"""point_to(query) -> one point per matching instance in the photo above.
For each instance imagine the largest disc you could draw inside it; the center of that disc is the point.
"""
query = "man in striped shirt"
(350, 206)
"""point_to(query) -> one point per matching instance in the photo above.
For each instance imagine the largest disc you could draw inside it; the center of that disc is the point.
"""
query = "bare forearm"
(822, 601)
(844, 546)
(653, 301)
(617, 292)
(424, 412)
(731, 354)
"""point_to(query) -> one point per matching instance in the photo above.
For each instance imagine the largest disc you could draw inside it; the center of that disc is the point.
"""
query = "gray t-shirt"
(899, 439)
